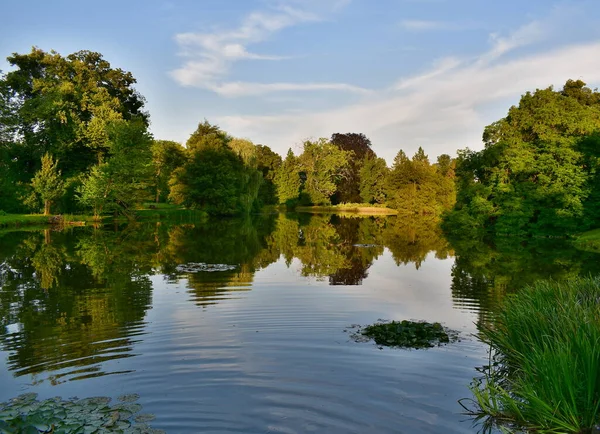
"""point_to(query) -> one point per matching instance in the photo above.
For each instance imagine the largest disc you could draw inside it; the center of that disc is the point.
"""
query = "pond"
(243, 326)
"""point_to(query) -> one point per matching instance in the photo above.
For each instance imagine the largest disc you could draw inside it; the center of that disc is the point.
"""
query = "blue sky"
(407, 73)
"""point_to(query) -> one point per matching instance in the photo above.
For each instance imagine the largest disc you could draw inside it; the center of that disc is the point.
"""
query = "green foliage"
(373, 175)
(323, 165)
(166, 157)
(215, 180)
(207, 136)
(538, 171)
(545, 374)
(25, 414)
(62, 105)
(268, 162)
(417, 187)
(47, 183)
(120, 183)
(287, 179)
(407, 334)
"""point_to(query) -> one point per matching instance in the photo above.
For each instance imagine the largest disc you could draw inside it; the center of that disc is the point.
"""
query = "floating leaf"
(129, 397)
(144, 417)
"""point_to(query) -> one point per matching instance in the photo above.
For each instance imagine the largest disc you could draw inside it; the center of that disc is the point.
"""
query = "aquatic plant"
(544, 370)
(25, 414)
(406, 334)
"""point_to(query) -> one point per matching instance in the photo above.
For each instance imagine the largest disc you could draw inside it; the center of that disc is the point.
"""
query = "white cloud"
(441, 110)
(211, 56)
(234, 89)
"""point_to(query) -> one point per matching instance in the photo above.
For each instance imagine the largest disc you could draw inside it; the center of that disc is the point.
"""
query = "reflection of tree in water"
(242, 243)
(483, 273)
(59, 315)
(411, 238)
(328, 246)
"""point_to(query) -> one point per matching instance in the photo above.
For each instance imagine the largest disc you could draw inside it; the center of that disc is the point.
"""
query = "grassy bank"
(18, 220)
(544, 374)
(350, 208)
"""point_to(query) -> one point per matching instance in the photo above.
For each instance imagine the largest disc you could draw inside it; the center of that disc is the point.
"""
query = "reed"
(544, 371)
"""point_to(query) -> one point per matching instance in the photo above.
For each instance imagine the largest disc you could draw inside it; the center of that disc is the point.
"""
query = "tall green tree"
(215, 178)
(166, 157)
(207, 135)
(122, 181)
(267, 162)
(48, 183)
(62, 105)
(373, 176)
(323, 165)
(287, 179)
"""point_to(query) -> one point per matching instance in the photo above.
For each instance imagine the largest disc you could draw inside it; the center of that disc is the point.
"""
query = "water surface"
(262, 347)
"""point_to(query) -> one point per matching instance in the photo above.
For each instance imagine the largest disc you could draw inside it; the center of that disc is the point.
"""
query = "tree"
(217, 181)
(287, 179)
(122, 181)
(207, 136)
(413, 185)
(47, 182)
(537, 169)
(323, 165)
(267, 162)
(348, 190)
(373, 175)
(166, 157)
(245, 149)
(62, 105)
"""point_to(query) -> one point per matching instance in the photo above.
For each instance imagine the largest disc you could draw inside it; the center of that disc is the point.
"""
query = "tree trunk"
(46, 207)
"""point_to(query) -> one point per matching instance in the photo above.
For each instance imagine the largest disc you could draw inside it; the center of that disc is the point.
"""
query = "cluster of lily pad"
(195, 267)
(405, 334)
(26, 414)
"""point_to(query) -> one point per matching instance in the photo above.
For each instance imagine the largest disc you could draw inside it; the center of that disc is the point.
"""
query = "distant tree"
(267, 162)
(373, 175)
(217, 181)
(413, 185)
(245, 149)
(348, 189)
(287, 179)
(207, 136)
(47, 182)
(166, 157)
(323, 165)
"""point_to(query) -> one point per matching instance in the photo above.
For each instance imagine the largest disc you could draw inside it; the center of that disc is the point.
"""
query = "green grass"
(544, 371)
(18, 220)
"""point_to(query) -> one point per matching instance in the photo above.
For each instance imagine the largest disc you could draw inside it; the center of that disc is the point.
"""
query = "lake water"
(262, 346)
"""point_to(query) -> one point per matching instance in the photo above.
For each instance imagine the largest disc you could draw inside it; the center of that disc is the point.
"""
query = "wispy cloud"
(239, 88)
(442, 109)
(211, 55)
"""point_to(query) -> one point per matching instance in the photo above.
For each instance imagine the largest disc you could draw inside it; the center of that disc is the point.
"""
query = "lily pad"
(25, 414)
(405, 334)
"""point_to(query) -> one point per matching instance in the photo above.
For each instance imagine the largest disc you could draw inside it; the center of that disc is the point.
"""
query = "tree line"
(74, 138)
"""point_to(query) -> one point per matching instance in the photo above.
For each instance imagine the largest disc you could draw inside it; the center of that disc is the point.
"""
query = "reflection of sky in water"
(256, 349)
